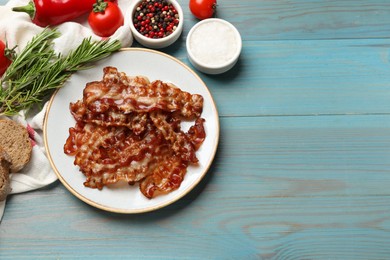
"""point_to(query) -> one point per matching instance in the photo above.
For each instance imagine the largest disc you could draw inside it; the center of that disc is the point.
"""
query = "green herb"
(37, 70)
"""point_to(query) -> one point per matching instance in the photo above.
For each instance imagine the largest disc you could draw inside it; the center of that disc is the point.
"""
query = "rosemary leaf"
(89, 52)
(37, 70)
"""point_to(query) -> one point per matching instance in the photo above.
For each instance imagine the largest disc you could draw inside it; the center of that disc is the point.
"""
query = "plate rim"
(150, 208)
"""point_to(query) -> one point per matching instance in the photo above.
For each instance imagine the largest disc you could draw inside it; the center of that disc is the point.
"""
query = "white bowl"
(213, 46)
(156, 43)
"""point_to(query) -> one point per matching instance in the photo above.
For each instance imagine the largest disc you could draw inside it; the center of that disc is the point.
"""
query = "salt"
(213, 43)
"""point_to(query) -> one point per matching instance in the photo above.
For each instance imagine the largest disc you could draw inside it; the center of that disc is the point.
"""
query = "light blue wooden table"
(303, 166)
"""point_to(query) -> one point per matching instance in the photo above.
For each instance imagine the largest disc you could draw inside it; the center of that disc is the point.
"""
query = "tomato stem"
(10, 53)
(100, 6)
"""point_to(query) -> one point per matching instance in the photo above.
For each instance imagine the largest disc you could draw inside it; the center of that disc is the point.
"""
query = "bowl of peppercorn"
(156, 23)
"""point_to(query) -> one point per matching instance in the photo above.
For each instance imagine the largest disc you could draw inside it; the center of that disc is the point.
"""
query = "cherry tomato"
(105, 18)
(4, 60)
(203, 9)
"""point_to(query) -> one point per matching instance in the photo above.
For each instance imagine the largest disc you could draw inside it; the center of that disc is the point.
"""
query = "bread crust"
(14, 139)
(5, 185)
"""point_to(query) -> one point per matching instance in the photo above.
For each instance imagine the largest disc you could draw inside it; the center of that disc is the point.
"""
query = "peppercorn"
(155, 18)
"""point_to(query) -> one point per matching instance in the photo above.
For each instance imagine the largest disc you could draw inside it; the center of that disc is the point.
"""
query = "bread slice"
(5, 187)
(14, 139)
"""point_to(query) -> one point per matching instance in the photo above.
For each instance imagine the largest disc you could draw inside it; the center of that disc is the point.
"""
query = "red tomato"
(4, 61)
(203, 9)
(105, 21)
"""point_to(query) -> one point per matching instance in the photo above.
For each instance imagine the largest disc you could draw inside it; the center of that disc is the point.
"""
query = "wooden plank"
(304, 78)
(302, 19)
(280, 228)
(299, 187)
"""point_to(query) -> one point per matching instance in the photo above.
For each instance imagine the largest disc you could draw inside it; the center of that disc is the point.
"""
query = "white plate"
(123, 198)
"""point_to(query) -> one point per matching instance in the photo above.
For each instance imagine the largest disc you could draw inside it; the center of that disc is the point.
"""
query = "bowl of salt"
(213, 46)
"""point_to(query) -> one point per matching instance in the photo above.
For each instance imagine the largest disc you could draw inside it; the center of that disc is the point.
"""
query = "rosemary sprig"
(37, 70)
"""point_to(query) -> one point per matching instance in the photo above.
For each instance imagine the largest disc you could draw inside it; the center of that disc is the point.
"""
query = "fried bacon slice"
(165, 178)
(113, 92)
(129, 129)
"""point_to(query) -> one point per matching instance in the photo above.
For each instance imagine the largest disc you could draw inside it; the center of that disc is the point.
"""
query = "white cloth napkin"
(17, 29)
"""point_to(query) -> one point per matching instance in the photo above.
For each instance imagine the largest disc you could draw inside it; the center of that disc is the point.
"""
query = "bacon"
(128, 129)
(165, 178)
(135, 121)
(196, 134)
(114, 92)
(180, 142)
